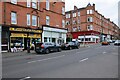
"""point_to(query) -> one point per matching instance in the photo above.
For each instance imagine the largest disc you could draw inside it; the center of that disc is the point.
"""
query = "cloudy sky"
(108, 8)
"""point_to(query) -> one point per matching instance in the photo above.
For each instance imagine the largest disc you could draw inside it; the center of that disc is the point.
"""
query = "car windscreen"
(39, 44)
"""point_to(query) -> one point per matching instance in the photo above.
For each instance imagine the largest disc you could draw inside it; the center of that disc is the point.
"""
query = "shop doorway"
(26, 43)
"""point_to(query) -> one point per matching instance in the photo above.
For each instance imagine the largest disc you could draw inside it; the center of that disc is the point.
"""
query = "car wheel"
(47, 51)
(59, 49)
(70, 48)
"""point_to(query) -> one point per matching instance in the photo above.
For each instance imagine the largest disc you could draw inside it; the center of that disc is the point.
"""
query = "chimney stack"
(75, 8)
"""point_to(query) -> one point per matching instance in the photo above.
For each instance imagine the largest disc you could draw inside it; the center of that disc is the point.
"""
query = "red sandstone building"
(30, 21)
(88, 25)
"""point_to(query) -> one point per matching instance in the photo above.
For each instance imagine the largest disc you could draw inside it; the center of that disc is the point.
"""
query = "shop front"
(4, 39)
(20, 37)
(55, 35)
(87, 36)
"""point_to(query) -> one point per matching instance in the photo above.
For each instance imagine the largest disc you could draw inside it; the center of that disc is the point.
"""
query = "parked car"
(110, 41)
(71, 45)
(47, 47)
(117, 43)
(113, 41)
(105, 43)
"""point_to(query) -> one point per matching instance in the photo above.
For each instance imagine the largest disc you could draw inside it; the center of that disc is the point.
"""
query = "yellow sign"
(25, 30)
(35, 36)
(18, 35)
(25, 35)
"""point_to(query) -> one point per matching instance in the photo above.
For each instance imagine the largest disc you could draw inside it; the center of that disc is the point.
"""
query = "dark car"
(117, 43)
(71, 45)
(47, 47)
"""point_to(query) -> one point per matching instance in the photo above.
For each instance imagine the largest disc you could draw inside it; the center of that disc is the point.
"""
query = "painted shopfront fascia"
(54, 35)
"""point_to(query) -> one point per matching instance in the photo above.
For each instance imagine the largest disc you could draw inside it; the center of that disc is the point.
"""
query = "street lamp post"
(28, 43)
(0, 38)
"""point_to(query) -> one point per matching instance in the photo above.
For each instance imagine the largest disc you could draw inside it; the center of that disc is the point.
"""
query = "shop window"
(13, 18)
(53, 40)
(16, 42)
(49, 39)
(82, 39)
(45, 39)
(86, 39)
(89, 39)
(93, 39)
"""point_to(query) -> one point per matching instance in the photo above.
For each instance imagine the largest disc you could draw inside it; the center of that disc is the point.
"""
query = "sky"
(108, 8)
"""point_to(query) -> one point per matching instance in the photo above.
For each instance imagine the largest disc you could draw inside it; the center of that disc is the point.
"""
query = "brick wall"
(55, 13)
(100, 23)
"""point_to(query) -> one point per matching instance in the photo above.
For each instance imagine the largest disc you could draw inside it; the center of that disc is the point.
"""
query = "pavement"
(23, 53)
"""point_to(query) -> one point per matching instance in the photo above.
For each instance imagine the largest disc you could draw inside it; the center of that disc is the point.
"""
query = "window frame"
(63, 10)
(47, 5)
(13, 21)
(28, 20)
(47, 20)
(63, 23)
(14, 1)
(34, 17)
(34, 4)
(28, 3)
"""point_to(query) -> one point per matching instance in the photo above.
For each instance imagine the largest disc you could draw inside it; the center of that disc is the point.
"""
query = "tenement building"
(88, 25)
(31, 21)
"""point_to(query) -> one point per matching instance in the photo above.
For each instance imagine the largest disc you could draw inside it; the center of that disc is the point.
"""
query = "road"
(95, 61)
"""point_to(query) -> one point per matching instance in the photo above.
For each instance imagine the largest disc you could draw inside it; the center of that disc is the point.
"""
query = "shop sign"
(25, 30)
(34, 36)
(18, 35)
(25, 35)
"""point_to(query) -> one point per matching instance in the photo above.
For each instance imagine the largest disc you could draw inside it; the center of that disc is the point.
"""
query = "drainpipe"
(0, 38)
(4, 12)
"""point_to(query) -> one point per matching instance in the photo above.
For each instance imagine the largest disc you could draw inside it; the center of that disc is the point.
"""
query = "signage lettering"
(25, 30)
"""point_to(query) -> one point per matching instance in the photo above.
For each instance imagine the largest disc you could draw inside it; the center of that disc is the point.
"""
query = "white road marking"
(83, 59)
(115, 53)
(88, 50)
(46, 59)
(26, 78)
(104, 52)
